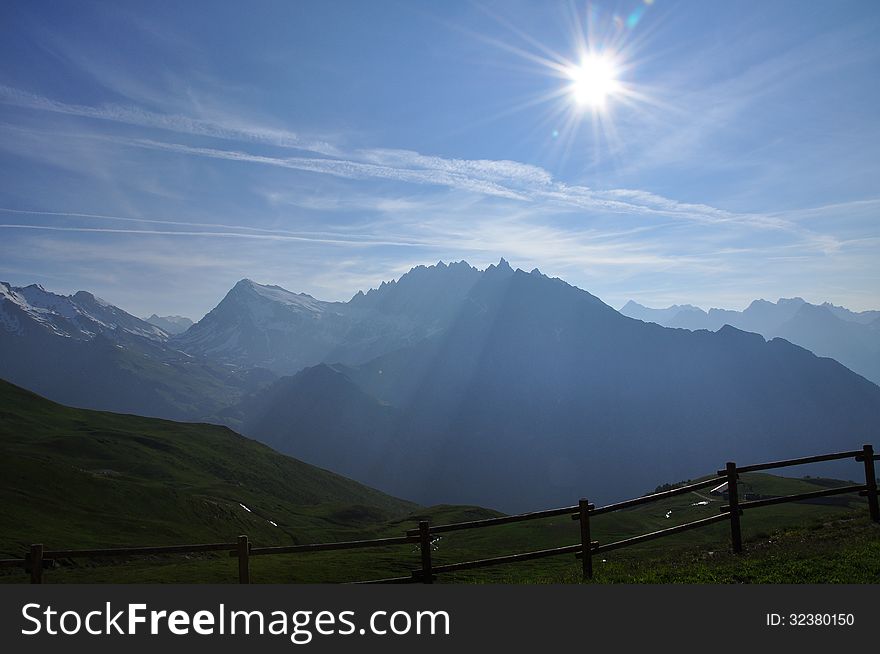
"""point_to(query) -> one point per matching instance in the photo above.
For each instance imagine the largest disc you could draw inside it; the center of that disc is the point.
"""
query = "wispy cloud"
(497, 208)
(507, 179)
(249, 231)
(207, 234)
(135, 116)
(488, 178)
(478, 208)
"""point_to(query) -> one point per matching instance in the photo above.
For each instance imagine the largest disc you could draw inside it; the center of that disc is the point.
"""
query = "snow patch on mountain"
(271, 327)
(280, 295)
(80, 316)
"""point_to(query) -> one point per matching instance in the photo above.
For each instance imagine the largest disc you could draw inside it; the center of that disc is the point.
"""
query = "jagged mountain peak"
(267, 325)
(437, 274)
(502, 266)
(533, 372)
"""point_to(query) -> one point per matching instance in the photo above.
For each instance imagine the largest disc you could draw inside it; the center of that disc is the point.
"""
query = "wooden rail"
(494, 522)
(38, 558)
(653, 497)
(797, 462)
(635, 540)
(508, 558)
(753, 504)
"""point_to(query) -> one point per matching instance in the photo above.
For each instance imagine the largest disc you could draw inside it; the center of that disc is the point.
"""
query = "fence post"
(35, 558)
(425, 546)
(244, 551)
(586, 539)
(871, 482)
(733, 501)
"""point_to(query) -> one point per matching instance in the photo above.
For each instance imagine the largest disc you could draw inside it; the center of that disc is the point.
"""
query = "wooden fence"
(39, 558)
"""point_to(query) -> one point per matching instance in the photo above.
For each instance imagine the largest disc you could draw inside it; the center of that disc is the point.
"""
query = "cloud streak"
(172, 122)
(289, 234)
(499, 178)
(206, 234)
(494, 208)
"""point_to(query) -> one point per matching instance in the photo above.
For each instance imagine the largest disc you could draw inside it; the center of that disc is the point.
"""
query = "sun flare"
(594, 81)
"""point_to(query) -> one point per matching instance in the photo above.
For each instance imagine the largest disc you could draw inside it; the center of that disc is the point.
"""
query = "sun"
(594, 81)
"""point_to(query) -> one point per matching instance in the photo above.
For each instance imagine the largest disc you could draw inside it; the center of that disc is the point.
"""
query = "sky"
(156, 153)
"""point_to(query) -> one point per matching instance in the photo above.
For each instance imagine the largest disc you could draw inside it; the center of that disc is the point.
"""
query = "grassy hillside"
(794, 543)
(78, 478)
(124, 373)
(836, 550)
(642, 563)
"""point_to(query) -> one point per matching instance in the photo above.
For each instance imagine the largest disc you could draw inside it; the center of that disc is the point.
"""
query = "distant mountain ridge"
(537, 393)
(170, 324)
(852, 338)
(496, 387)
(81, 316)
(83, 351)
(268, 326)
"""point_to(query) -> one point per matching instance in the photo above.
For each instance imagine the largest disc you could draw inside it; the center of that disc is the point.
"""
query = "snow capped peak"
(264, 299)
(7, 292)
(85, 296)
(244, 286)
(80, 316)
(289, 298)
(39, 297)
(9, 321)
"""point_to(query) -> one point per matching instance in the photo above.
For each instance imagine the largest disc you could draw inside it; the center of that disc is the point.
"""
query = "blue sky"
(155, 153)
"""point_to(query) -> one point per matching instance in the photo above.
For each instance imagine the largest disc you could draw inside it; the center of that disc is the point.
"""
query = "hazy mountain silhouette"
(501, 387)
(83, 351)
(538, 393)
(170, 324)
(261, 325)
(851, 338)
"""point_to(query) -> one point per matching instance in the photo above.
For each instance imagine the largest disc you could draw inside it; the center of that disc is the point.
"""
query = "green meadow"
(75, 478)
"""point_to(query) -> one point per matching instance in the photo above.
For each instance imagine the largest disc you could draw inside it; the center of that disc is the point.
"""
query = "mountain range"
(826, 330)
(268, 326)
(83, 351)
(537, 393)
(499, 387)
